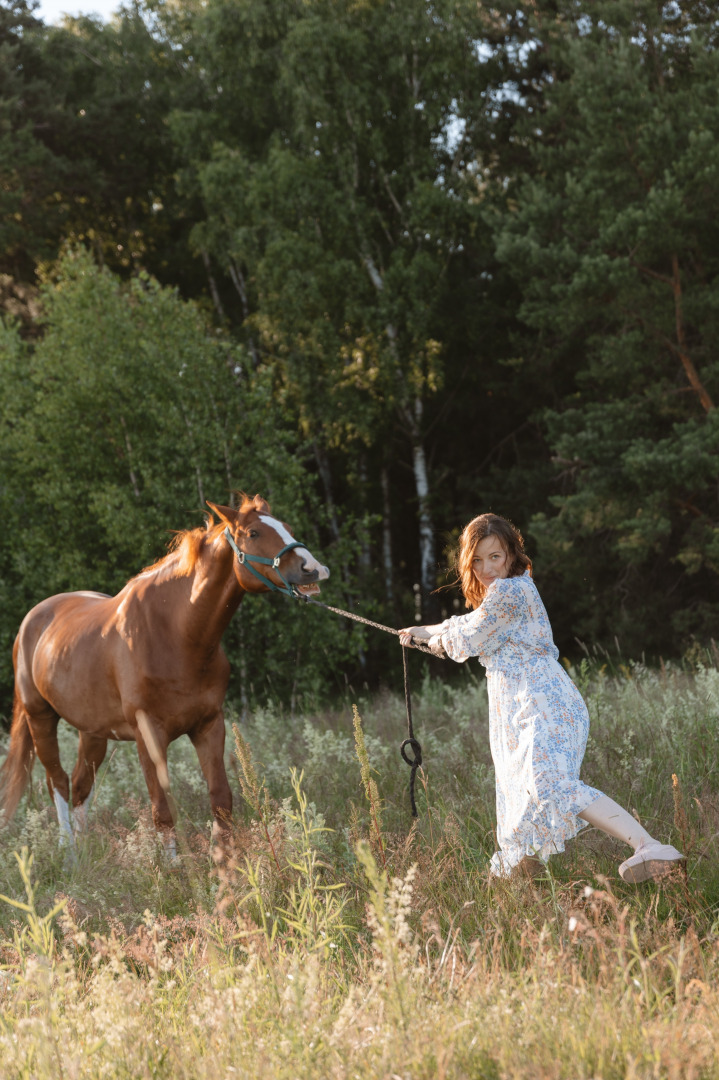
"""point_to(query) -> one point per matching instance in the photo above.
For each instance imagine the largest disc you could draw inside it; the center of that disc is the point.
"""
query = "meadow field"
(336, 939)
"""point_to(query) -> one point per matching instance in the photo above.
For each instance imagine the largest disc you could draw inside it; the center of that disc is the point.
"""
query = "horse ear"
(224, 513)
(261, 505)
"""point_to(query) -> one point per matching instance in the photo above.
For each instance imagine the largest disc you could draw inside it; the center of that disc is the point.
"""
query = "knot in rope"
(414, 744)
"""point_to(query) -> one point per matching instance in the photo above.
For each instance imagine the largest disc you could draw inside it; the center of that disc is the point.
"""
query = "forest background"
(390, 264)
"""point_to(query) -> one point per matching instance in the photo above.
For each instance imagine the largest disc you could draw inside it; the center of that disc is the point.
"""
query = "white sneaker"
(649, 861)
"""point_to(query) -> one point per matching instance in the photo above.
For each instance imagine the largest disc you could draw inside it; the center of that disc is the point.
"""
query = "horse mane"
(186, 546)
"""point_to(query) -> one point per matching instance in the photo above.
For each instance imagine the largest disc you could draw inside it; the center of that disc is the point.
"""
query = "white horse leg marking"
(79, 814)
(66, 838)
(286, 537)
(169, 844)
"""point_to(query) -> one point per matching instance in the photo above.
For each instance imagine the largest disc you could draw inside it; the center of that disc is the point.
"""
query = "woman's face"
(490, 560)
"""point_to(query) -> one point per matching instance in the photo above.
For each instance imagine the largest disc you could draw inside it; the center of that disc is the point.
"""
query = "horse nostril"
(316, 572)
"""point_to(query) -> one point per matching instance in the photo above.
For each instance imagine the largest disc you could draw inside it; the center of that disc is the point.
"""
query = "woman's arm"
(429, 633)
(419, 633)
(482, 631)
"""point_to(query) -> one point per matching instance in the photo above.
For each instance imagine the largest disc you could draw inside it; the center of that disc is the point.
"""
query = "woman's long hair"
(479, 529)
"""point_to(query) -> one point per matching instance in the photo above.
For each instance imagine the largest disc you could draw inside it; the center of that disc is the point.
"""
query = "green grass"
(296, 953)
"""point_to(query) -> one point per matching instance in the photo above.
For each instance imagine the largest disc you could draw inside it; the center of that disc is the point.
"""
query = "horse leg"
(152, 745)
(90, 756)
(44, 736)
(208, 740)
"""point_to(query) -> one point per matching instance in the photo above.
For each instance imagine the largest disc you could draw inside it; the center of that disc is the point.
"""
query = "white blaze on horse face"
(286, 537)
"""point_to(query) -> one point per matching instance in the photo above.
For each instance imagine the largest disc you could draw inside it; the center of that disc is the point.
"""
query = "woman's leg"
(612, 818)
(651, 859)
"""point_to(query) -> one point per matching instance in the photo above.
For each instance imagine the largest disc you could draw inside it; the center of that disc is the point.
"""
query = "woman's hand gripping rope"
(410, 636)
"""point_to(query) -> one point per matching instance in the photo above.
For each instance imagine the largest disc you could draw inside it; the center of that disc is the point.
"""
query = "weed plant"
(332, 936)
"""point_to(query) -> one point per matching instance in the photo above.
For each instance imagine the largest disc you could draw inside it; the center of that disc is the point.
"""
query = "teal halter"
(245, 559)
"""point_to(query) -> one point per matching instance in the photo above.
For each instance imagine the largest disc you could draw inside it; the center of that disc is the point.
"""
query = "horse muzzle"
(308, 573)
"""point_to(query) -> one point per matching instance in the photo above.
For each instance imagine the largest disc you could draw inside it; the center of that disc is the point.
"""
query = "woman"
(538, 722)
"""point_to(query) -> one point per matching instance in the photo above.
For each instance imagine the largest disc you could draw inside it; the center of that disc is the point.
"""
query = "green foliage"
(86, 152)
(28, 169)
(457, 259)
(315, 910)
(341, 219)
(117, 425)
(37, 936)
(613, 239)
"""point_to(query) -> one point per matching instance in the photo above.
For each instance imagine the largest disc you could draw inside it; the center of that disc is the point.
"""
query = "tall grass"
(334, 938)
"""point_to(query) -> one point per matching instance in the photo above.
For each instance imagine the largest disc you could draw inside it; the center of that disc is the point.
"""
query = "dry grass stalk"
(254, 793)
(370, 788)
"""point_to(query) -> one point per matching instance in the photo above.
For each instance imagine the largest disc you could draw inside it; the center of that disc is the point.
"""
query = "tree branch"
(650, 273)
(680, 348)
(238, 281)
(502, 442)
(691, 372)
(213, 286)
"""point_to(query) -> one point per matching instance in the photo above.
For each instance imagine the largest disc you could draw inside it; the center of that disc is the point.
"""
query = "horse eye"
(253, 533)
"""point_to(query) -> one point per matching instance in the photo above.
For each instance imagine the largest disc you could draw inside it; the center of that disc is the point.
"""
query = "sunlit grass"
(293, 953)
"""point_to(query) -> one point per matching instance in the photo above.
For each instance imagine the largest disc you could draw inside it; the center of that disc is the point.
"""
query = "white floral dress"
(538, 722)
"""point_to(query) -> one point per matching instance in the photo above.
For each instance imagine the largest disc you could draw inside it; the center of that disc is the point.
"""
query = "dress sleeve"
(487, 628)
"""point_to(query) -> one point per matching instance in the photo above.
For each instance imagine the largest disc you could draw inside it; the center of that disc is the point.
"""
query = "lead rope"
(413, 762)
(367, 622)
(411, 740)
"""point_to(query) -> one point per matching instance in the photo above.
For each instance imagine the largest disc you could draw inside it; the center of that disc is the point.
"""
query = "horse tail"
(16, 770)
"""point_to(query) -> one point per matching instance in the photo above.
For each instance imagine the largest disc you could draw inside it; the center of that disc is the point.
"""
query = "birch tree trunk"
(427, 553)
(413, 415)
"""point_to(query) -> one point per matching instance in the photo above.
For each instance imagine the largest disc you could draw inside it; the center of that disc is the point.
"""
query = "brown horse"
(146, 664)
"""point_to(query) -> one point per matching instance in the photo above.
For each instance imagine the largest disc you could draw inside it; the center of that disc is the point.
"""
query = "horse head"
(268, 556)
